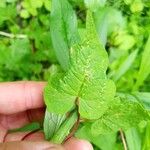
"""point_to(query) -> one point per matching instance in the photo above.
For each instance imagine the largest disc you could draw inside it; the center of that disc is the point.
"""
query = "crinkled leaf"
(85, 81)
(122, 114)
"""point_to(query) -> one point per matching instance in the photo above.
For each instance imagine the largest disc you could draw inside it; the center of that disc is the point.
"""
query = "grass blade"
(144, 67)
(125, 66)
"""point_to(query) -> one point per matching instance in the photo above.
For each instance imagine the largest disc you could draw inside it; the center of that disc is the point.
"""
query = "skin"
(22, 103)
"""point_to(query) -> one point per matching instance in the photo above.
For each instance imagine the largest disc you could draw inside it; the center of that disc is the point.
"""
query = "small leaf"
(137, 6)
(24, 14)
(122, 114)
(65, 128)
(52, 122)
(47, 4)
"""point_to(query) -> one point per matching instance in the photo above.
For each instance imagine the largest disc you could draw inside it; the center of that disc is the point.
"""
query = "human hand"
(21, 103)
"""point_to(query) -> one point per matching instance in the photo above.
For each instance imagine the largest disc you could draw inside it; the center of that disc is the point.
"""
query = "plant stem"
(74, 129)
(65, 128)
(29, 134)
(123, 140)
(19, 36)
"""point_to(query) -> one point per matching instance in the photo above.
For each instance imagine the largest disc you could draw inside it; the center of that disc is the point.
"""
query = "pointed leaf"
(85, 83)
(64, 33)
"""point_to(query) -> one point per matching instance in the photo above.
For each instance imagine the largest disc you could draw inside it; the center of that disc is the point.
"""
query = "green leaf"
(122, 114)
(24, 13)
(3, 4)
(144, 98)
(29, 127)
(101, 22)
(125, 66)
(65, 129)
(38, 3)
(86, 88)
(94, 4)
(137, 6)
(10, 1)
(86, 73)
(63, 30)
(115, 20)
(47, 4)
(52, 122)
(8, 13)
(133, 139)
(128, 2)
(31, 4)
(4, 55)
(144, 67)
(20, 48)
(104, 142)
(146, 144)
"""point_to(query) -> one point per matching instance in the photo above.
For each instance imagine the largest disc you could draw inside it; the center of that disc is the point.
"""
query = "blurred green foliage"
(27, 53)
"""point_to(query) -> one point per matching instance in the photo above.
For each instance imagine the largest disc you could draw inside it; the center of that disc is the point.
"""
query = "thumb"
(25, 145)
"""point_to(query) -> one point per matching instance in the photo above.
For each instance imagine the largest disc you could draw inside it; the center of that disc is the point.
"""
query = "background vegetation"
(27, 53)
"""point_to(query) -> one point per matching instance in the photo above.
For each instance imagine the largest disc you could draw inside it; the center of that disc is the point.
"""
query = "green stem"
(9, 35)
(65, 128)
(123, 140)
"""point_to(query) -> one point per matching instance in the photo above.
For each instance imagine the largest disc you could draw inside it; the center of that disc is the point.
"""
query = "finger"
(20, 96)
(18, 120)
(18, 136)
(76, 144)
(26, 145)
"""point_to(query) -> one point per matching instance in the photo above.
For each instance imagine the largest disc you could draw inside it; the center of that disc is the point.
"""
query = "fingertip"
(78, 144)
(26, 145)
